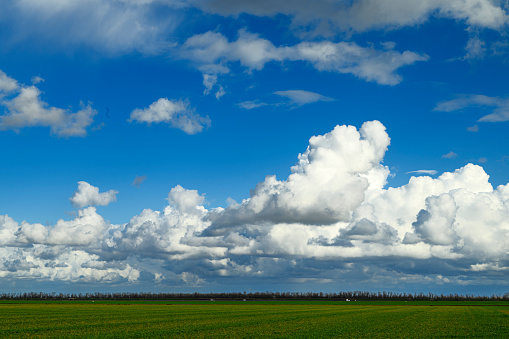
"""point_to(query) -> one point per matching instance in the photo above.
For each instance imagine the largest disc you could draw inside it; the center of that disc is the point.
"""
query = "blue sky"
(236, 145)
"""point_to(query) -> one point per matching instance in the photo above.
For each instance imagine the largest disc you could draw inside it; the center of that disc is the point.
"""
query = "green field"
(252, 319)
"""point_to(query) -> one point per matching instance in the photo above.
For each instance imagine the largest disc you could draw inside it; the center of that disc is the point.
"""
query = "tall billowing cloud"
(332, 220)
(24, 108)
(326, 185)
(176, 113)
(212, 52)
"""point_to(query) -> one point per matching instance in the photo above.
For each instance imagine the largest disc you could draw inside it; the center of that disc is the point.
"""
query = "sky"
(218, 145)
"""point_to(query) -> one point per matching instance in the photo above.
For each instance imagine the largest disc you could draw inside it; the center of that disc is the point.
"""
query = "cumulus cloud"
(324, 187)
(332, 220)
(328, 17)
(88, 195)
(24, 108)
(211, 52)
(499, 114)
(177, 113)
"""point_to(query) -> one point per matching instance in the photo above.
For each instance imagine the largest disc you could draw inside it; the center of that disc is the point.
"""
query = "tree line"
(339, 296)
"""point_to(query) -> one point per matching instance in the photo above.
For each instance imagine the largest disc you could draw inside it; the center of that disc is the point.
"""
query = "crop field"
(252, 319)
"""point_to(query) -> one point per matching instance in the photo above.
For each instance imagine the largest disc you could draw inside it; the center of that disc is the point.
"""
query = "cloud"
(500, 113)
(139, 180)
(299, 97)
(251, 104)
(110, 26)
(36, 80)
(24, 108)
(294, 98)
(450, 155)
(332, 220)
(474, 128)
(7, 84)
(88, 195)
(211, 52)
(430, 172)
(325, 17)
(176, 113)
(476, 49)
(324, 186)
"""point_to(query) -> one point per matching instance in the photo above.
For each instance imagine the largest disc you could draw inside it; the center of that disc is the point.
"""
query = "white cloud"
(211, 52)
(176, 113)
(87, 229)
(450, 155)
(325, 186)
(36, 80)
(88, 195)
(7, 84)
(299, 97)
(332, 219)
(209, 81)
(328, 17)
(430, 172)
(26, 109)
(500, 113)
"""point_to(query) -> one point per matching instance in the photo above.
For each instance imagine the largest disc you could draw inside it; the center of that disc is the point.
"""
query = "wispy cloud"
(474, 128)
(251, 104)
(450, 155)
(292, 99)
(299, 97)
(429, 172)
(501, 105)
(139, 180)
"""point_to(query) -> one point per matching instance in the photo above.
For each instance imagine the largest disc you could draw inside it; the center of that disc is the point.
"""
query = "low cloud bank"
(331, 220)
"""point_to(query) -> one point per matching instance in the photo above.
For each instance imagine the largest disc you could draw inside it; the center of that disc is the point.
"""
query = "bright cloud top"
(332, 213)
(88, 195)
(176, 113)
(211, 52)
(24, 108)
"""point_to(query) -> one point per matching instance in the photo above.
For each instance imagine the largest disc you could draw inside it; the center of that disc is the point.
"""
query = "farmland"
(251, 319)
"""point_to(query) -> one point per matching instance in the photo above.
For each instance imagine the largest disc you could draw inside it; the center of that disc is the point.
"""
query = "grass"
(252, 319)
